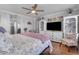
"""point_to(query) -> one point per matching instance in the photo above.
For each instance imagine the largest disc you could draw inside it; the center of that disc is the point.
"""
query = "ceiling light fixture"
(33, 11)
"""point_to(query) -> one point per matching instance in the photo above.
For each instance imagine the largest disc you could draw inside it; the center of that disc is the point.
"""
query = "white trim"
(13, 13)
(71, 16)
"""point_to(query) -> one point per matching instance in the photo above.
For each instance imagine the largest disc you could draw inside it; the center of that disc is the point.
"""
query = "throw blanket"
(38, 36)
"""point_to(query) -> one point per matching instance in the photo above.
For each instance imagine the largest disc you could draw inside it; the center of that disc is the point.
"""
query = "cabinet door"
(57, 36)
(78, 24)
(69, 25)
(42, 25)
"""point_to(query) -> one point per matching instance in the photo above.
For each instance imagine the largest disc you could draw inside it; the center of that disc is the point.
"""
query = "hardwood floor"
(61, 50)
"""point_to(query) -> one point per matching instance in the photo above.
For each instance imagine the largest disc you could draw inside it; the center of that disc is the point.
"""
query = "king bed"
(22, 44)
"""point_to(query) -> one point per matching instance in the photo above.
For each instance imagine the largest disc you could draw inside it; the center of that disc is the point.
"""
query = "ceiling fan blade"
(25, 8)
(40, 10)
(34, 7)
(28, 12)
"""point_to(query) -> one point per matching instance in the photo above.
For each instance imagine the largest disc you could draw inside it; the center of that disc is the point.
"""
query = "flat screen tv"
(54, 26)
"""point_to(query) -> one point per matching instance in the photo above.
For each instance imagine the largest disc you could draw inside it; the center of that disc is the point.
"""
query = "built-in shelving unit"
(55, 35)
(71, 25)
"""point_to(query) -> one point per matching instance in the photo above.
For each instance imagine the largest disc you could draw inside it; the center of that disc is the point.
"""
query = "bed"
(18, 44)
(44, 38)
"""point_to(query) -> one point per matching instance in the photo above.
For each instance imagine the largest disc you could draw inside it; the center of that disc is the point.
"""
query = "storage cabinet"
(71, 25)
(57, 36)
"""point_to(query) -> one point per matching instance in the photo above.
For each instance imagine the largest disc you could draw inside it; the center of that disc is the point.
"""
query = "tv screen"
(56, 26)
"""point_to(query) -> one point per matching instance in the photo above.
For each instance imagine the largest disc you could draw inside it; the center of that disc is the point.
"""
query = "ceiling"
(49, 8)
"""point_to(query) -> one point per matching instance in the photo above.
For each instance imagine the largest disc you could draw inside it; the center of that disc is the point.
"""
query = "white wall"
(24, 23)
(21, 20)
(5, 21)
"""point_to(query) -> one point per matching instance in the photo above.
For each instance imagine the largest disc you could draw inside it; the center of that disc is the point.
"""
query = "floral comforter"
(18, 44)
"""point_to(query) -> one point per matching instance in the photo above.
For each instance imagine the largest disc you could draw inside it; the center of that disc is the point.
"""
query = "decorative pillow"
(2, 29)
(5, 43)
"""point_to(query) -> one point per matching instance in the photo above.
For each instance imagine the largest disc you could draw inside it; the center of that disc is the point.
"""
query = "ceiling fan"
(33, 9)
(71, 10)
